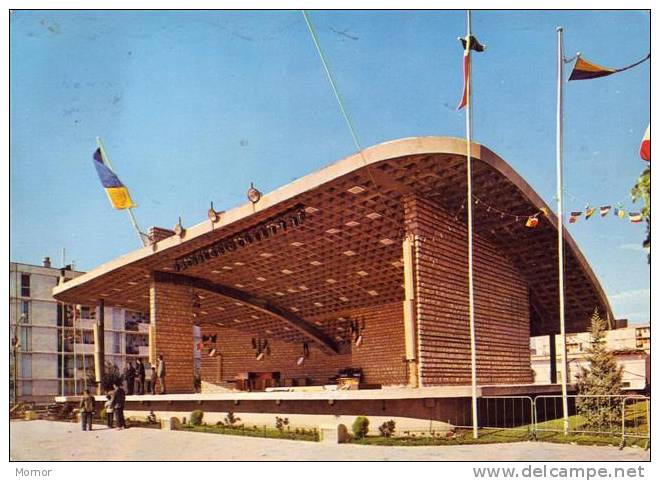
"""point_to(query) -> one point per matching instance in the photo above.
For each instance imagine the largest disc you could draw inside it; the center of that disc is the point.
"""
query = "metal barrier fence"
(503, 413)
(592, 416)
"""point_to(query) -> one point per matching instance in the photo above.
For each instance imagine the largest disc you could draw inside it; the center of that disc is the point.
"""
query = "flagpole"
(560, 222)
(468, 135)
(131, 214)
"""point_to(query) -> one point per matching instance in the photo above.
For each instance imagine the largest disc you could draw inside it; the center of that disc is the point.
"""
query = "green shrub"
(387, 428)
(196, 417)
(231, 420)
(280, 423)
(360, 427)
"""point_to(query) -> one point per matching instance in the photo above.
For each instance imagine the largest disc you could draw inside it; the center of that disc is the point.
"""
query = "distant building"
(631, 346)
(52, 357)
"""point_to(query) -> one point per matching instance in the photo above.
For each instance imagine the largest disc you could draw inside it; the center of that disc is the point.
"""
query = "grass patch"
(256, 432)
(548, 431)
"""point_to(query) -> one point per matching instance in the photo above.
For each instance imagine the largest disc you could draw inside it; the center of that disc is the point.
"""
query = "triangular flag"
(635, 217)
(604, 209)
(589, 212)
(544, 210)
(531, 222)
(585, 70)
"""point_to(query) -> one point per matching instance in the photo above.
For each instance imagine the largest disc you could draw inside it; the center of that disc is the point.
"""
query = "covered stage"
(356, 271)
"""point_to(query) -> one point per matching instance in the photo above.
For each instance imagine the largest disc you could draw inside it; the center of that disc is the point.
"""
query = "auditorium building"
(356, 276)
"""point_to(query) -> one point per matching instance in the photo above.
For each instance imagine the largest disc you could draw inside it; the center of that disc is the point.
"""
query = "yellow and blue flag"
(117, 192)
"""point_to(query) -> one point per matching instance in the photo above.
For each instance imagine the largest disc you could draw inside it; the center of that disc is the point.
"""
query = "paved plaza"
(58, 441)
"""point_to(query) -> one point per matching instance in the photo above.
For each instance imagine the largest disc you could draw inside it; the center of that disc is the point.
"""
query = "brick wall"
(237, 356)
(172, 334)
(380, 355)
(441, 278)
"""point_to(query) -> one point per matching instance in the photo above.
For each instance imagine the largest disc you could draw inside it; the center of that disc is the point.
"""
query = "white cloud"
(634, 295)
(632, 247)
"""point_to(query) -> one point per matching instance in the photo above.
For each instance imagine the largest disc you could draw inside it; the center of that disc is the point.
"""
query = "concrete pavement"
(50, 441)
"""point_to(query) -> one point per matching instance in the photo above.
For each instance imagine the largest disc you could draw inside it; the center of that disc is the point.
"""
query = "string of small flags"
(532, 220)
(603, 210)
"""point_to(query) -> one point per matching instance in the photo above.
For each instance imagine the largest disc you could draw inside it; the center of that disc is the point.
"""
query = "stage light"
(301, 361)
(260, 356)
(212, 353)
(358, 341)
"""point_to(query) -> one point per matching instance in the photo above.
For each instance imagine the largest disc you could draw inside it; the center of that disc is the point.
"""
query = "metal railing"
(591, 417)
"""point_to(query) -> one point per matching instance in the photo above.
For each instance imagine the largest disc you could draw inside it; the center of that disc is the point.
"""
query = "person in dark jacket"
(160, 370)
(140, 377)
(130, 378)
(153, 379)
(86, 410)
(117, 402)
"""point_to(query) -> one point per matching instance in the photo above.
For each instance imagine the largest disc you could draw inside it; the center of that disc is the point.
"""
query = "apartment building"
(55, 353)
(631, 346)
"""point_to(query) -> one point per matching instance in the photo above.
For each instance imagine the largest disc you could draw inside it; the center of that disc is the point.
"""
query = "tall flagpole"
(468, 135)
(560, 222)
(131, 214)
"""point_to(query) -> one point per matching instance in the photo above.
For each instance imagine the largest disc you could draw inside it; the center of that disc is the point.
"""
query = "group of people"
(135, 377)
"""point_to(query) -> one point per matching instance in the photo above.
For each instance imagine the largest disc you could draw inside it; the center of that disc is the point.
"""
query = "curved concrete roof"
(493, 178)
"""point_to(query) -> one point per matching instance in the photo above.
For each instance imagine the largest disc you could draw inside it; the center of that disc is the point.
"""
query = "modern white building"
(631, 346)
(55, 352)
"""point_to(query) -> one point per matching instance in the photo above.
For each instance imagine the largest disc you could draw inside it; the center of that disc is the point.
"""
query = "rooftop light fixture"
(351, 223)
(362, 273)
(310, 210)
(343, 299)
(214, 215)
(278, 293)
(330, 281)
(333, 230)
(303, 288)
(178, 228)
(227, 268)
(372, 293)
(349, 253)
(266, 254)
(253, 194)
(356, 189)
(262, 279)
(316, 263)
(286, 271)
(238, 263)
(386, 241)
(297, 244)
(374, 215)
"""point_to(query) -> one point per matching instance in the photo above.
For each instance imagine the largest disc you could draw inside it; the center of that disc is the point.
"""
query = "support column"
(553, 358)
(409, 324)
(99, 346)
(171, 334)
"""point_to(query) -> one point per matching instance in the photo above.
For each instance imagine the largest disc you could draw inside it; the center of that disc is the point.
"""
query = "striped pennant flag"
(586, 70)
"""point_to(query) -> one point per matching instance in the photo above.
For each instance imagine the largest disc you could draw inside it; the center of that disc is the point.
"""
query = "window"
(117, 343)
(25, 285)
(87, 312)
(26, 338)
(26, 367)
(25, 312)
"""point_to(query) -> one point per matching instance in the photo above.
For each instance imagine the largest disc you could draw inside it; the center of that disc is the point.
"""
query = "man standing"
(160, 370)
(130, 378)
(139, 370)
(152, 383)
(117, 402)
(86, 410)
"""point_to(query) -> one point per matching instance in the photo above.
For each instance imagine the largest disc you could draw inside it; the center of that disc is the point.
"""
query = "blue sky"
(194, 105)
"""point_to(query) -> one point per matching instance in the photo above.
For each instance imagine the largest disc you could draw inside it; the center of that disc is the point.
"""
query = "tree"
(111, 375)
(601, 378)
(642, 190)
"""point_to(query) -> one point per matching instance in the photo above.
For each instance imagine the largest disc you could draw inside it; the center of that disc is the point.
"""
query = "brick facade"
(441, 290)
(380, 356)
(171, 334)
